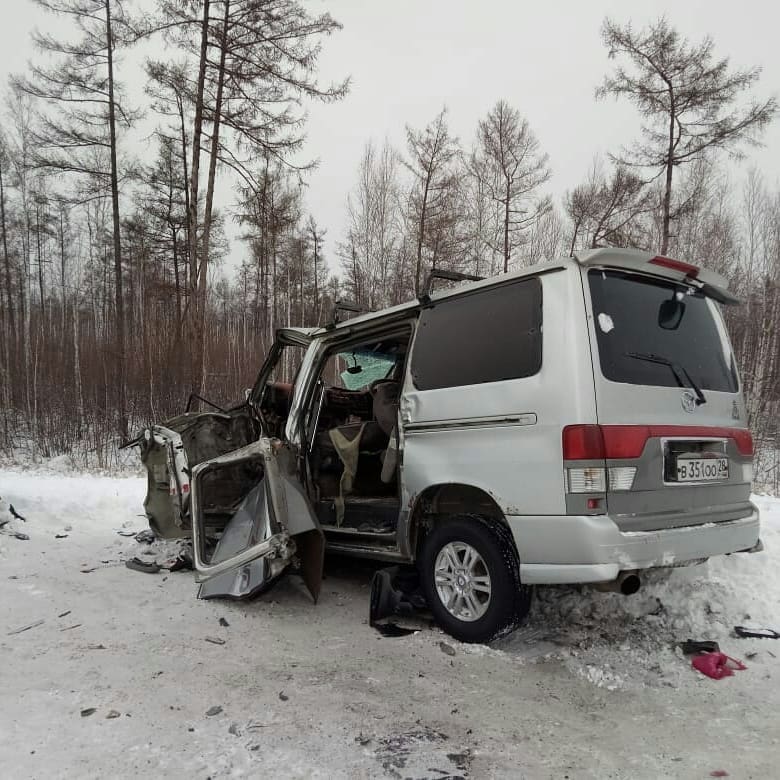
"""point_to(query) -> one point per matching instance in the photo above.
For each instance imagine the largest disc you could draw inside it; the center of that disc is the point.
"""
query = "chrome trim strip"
(471, 423)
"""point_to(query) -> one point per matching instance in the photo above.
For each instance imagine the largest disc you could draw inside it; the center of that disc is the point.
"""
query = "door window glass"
(485, 336)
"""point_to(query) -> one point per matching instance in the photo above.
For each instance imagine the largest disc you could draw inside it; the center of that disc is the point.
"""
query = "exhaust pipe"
(627, 583)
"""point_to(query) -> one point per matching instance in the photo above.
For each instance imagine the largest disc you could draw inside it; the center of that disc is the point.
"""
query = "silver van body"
(587, 454)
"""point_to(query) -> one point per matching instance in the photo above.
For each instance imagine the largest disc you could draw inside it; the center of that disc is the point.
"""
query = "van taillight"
(623, 442)
(597, 442)
(744, 441)
(583, 442)
(676, 265)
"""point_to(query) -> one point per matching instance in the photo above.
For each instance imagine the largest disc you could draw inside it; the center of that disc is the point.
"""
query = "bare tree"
(80, 88)
(369, 250)
(256, 66)
(688, 99)
(316, 236)
(608, 210)
(433, 153)
(509, 162)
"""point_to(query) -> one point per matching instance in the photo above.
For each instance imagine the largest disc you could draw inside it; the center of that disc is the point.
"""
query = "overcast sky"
(408, 58)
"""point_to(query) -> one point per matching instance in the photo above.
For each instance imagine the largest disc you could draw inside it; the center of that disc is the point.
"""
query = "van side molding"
(470, 423)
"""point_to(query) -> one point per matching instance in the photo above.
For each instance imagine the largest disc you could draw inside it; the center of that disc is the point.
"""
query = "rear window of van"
(628, 324)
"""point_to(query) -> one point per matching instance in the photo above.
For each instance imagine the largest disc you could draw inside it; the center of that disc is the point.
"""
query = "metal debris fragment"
(26, 628)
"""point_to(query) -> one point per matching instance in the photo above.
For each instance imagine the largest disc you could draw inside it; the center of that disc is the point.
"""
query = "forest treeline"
(116, 303)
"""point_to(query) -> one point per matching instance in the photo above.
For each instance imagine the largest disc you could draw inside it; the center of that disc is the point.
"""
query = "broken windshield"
(362, 367)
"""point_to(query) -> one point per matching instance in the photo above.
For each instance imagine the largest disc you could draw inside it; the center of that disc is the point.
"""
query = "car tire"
(470, 574)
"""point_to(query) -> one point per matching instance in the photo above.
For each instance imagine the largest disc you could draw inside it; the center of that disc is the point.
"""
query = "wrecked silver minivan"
(575, 422)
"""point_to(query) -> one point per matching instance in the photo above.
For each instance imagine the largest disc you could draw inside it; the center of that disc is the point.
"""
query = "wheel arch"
(436, 502)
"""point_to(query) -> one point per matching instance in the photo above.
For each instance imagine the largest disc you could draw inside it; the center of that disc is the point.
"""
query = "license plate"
(702, 469)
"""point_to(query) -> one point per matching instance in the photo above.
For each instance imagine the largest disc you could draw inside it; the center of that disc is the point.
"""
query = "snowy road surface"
(591, 687)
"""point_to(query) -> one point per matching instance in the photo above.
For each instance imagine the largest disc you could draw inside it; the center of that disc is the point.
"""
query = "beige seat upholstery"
(385, 395)
(385, 399)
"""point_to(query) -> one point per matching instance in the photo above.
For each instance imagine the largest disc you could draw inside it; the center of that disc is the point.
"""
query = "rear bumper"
(591, 548)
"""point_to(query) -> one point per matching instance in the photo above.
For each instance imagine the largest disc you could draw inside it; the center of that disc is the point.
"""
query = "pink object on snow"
(717, 665)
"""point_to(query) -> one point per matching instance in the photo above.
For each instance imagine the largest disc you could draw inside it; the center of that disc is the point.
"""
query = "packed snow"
(593, 685)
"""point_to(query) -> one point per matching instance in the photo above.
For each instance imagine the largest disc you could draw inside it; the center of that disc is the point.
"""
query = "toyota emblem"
(688, 401)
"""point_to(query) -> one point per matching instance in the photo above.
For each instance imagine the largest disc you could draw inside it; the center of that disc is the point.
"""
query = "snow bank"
(79, 504)
(617, 641)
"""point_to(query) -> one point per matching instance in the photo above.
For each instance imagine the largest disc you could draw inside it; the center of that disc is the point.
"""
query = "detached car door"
(272, 524)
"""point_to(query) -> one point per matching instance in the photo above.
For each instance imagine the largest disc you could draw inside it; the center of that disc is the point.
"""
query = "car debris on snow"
(146, 567)
(745, 632)
(717, 665)
(6, 528)
(223, 622)
(215, 710)
(182, 562)
(34, 624)
(694, 646)
(14, 534)
(113, 714)
(445, 648)
(88, 711)
(215, 640)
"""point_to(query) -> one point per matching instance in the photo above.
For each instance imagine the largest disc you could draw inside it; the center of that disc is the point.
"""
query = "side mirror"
(670, 313)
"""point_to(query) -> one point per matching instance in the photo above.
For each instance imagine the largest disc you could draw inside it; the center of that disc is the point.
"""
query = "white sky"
(408, 58)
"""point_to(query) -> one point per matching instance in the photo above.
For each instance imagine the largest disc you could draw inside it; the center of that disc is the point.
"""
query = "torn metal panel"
(272, 525)
(170, 450)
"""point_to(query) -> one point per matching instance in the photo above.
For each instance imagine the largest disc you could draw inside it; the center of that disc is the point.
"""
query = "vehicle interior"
(351, 436)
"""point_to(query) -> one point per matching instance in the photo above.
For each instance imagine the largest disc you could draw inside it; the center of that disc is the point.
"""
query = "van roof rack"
(450, 276)
(340, 306)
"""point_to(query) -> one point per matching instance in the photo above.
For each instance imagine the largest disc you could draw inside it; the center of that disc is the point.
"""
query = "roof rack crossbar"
(340, 306)
(450, 276)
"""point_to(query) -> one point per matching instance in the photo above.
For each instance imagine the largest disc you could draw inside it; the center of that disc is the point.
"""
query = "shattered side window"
(485, 336)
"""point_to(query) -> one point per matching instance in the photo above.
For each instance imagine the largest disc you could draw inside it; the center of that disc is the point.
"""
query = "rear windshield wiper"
(684, 379)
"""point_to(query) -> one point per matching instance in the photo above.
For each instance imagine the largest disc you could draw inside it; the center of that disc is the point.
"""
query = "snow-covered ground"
(592, 686)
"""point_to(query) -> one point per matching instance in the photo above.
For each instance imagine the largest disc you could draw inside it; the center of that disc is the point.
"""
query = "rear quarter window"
(626, 311)
(485, 336)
